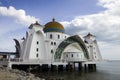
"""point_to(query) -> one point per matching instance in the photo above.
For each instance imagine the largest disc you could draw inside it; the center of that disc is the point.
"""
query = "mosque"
(49, 44)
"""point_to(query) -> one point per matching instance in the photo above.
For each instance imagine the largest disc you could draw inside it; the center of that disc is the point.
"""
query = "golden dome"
(53, 27)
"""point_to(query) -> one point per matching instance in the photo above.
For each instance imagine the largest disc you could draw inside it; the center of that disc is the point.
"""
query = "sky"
(99, 17)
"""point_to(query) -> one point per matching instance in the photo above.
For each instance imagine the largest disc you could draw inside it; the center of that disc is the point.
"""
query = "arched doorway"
(68, 41)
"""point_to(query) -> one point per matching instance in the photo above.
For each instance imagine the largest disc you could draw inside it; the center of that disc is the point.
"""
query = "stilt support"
(80, 66)
(45, 67)
(68, 67)
(60, 68)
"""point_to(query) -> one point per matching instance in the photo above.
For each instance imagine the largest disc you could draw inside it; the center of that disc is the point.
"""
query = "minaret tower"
(92, 46)
(34, 45)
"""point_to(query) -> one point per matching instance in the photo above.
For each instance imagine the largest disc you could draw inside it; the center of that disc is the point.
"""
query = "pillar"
(53, 67)
(89, 67)
(73, 66)
(85, 67)
(80, 66)
(92, 67)
(95, 67)
(68, 67)
(9, 65)
(44, 67)
(60, 67)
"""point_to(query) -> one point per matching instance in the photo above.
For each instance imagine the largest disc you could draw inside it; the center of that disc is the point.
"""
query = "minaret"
(34, 47)
(92, 46)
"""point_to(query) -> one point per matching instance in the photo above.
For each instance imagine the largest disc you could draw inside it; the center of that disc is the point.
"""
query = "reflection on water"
(105, 71)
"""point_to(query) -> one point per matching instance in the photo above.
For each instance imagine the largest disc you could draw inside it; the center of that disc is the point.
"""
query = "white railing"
(70, 60)
(3, 59)
(16, 60)
(11, 60)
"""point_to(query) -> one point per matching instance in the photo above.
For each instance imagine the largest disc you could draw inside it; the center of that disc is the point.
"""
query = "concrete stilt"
(29, 69)
(60, 68)
(45, 67)
(91, 67)
(9, 66)
(80, 66)
(39, 68)
(73, 66)
(85, 67)
(68, 67)
(53, 68)
(94, 65)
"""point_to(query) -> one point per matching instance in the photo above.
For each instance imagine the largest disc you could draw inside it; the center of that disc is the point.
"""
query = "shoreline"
(15, 74)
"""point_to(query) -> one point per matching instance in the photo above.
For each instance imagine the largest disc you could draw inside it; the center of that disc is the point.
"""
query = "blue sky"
(60, 9)
(100, 17)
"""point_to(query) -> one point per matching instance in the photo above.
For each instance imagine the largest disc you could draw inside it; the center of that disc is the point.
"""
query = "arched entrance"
(68, 41)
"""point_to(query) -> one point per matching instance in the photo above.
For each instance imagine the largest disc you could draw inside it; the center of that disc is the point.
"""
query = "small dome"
(53, 27)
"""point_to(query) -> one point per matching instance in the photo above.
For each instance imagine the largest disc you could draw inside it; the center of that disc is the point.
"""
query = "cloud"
(105, 24)
(11, 29)
(109, 51)
(19, 15)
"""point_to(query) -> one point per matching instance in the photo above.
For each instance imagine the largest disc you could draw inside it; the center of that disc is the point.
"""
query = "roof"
(36, 23)
(53, 26)
(89, 34)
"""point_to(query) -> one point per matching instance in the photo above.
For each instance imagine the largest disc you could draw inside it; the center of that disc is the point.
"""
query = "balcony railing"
(11, 60)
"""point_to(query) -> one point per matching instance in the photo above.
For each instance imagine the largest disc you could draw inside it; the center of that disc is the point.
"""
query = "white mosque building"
(49, 44)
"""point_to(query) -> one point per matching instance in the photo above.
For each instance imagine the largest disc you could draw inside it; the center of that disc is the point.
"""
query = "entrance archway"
(68, 41)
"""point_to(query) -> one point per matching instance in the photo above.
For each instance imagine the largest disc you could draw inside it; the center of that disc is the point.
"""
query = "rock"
(19, 79)
(37, 78)
(19, 75)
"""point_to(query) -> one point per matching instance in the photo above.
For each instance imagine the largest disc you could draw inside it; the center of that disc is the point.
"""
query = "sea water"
(109, 70)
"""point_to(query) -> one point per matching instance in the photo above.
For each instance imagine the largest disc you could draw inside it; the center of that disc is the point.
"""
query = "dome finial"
(53, 19)
(89, 33)
(37, 23)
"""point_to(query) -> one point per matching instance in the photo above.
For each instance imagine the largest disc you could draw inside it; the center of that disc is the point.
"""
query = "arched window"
(65, 36)
(58, 36)
(51, 51)
(37, 49)
(71, 55)
(50, 36)
(37, 55)
(37, 42)
(95, 56)
(51, 43)
(67, 55)
(54, 43)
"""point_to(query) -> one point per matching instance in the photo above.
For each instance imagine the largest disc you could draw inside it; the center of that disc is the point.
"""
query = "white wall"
(62, 36)
(73, 52)
(35, 41)
(92, 46)
(53, 43)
